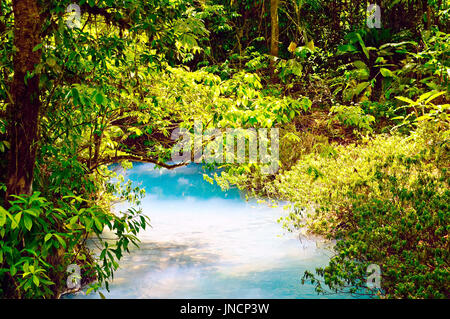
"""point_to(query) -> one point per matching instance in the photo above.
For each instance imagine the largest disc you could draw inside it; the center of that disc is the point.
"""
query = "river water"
(206, 243)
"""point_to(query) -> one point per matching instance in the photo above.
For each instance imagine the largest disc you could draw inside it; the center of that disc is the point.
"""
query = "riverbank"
(386, 198)
(206, 243)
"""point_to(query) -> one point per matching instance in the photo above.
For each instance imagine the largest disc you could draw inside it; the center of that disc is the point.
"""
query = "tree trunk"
(24, 111)
(274, 4)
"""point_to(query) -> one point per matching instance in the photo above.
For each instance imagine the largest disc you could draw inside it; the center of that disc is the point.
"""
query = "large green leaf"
(27, 222)
(360, 87)
(346, 48)
(360, 64)
(363, 46)
(3, 214)
(387, 73)
(405, 99)
(16, 220)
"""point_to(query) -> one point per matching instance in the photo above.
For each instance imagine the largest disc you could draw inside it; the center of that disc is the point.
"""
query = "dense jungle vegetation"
(363, 114)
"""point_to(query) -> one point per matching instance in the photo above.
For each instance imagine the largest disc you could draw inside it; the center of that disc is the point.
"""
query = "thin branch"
(140, 159)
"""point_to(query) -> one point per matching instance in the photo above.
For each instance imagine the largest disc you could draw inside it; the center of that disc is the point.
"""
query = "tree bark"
(23, 113)
(274, 4)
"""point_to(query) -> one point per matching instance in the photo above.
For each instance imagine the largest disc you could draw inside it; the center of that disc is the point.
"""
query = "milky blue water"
(206, 243)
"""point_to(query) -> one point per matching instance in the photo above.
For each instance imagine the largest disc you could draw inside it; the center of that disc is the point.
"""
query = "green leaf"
(3, 214)
(434, 96)
(360, 64)
(363, 46)
(99, 98)
(387, 73)
(60, 240)
(135, 130)
(37, 47)
(292, 114)
(76, 96)
(394, 45)
(360, 87)
(16, 220)
(47, 282)
(423, 118)
(346, 48)
(405, 99)
(13, 270)
(36, 280)
(73, 220)
(47, 237)
(27, 222)
(98, 224)
(32, 211)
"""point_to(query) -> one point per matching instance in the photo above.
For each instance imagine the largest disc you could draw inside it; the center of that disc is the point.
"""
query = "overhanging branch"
(140, 159)
(109, 17)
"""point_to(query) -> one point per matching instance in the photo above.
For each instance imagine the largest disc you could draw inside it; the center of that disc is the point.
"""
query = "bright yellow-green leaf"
(434, 96)
(27, 222)
(16, 220)
(405, 99)
(3, 214)
(36, 280)
(386, 73)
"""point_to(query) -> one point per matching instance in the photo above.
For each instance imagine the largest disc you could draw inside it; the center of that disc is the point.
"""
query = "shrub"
(386, 201)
